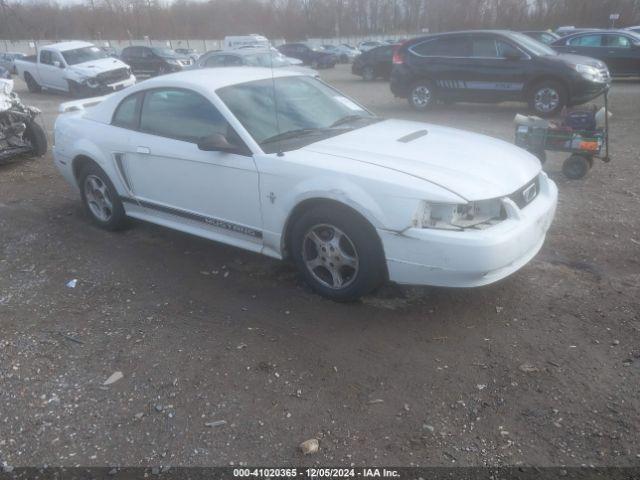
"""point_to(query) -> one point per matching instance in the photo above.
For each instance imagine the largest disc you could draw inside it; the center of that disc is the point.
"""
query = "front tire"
(338, 253)
(422, 96)
(38, 139)
(547, 98)
(101, 199)
(576, 166)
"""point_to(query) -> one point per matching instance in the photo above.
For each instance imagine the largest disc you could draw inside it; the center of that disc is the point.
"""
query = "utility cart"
(584, 145)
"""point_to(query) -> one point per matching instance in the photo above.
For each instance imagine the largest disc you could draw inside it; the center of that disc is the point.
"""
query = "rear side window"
(485, 47)
(215, 61)
(180, 114)
(384, 53)
(46, 57)
(127, 113)
(617, 41)
(444, 47)
(587, 41)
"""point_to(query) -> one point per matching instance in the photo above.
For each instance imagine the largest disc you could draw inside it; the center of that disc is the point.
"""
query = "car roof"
(600, 31)
(64, 46)
(244, 51)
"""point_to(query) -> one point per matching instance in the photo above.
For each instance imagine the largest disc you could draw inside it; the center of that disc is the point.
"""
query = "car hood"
(94, 67)
(470, 165)
(571, 59)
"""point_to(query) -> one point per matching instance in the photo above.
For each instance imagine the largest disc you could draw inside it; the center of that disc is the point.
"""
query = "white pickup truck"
(80, 68)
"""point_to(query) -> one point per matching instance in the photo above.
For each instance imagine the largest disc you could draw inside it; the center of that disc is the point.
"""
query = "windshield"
(308, 110)
(267, 60)
(164, 52)
(534, 46)
(81, 55)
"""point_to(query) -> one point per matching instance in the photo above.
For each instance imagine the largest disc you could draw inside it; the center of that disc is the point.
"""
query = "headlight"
(172, 62)
(91, 82)
(590, 73)
(450, 216)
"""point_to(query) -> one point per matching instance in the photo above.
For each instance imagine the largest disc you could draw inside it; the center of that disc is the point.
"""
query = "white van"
(242, 41)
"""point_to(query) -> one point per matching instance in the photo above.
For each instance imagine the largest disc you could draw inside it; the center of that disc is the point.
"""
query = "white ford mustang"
(285, 165)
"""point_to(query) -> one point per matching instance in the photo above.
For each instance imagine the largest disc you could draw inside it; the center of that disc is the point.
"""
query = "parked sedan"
(374, 63)
(311, 175)
(249, 57)
(7, 60)
(619, 49)
(344, 52)
(192, 53)
(543, 36)
(311, 55)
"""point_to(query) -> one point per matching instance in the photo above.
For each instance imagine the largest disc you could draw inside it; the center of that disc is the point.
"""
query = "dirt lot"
(540, 369)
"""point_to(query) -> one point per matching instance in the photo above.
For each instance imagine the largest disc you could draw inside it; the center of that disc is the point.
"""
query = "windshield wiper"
(347, 119)
(299, 132)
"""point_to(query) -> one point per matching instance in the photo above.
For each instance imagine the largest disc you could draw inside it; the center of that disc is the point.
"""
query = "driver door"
(51, 75)
(173, 179)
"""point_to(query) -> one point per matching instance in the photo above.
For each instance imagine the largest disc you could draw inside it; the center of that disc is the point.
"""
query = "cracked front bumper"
(471, 258)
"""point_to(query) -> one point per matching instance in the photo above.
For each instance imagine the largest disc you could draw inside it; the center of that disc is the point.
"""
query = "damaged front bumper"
(471, 258)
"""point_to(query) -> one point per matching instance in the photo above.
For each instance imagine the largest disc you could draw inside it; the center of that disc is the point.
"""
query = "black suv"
(314, 56)
(153, 60)
(494, 66)
(374, 63)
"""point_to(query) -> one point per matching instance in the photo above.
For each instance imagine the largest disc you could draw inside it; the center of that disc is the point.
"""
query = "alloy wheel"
(98, 198)
(546, 100)
(421, 96)
(330, 256)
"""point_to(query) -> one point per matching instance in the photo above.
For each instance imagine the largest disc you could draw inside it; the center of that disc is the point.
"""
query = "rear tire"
(344, 260)
(38, 139)
(547, 98)
(100, 198)
(32, 85)
(368, 74)
(422, 96)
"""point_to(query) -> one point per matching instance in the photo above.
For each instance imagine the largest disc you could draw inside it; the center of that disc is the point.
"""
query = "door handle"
(145, 150)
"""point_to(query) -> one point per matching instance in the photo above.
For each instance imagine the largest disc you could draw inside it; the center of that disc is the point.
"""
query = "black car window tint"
(233, 61)
(484, 47)
(180, 114)
(617, 41)
(586, 41)
(215, 61)
(507, 50)
(444, 47)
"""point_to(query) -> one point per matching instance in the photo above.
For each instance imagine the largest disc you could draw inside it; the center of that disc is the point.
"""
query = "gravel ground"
(227, 358)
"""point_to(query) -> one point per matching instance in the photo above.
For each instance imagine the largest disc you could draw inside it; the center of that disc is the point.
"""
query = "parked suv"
(374, 63)
(494, 66)
(154, 60)
(316, 57)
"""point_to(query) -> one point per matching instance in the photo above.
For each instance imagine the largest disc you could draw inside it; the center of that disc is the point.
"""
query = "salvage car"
(282, 164)
(618, 49)
(79, 68)
(249, 57)
(20, 133)
(154, 61)
(311, 55)
(374, 63)
(494, 66)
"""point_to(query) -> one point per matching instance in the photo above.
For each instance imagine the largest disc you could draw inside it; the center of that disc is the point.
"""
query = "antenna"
(275, 101)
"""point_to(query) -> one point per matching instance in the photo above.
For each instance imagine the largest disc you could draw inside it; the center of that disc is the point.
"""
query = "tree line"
(294, 19)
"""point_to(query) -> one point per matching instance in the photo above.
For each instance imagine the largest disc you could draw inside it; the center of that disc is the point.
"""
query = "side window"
(384, 53)
(180, 114)
(586, 41)
(617, 41)
(484, 47)
(507, 50)
(127, 113)
(233, 61)
(215, 61)
(45, 57)
(146, 53)
(448, 46)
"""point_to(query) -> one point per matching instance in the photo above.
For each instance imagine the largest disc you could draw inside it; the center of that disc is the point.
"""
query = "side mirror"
(57, 64)
(217, 142)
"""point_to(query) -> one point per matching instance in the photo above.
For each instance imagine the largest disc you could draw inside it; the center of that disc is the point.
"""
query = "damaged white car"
(79, 68)
(282, 164)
